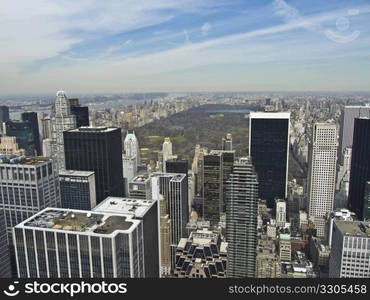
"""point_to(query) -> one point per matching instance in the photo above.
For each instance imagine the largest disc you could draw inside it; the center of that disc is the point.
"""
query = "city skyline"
(185, 139)
(126, 46)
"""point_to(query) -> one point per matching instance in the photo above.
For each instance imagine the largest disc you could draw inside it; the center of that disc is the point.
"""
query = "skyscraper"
(24, 135)
(147, 212)
(131, 147)
(97, 149)
(227, 142)
(342, 185)
(65, 243)
(77, 189)
(280, 208)
(165, 229)
(5, 269)
(28, 185)
(360, 166)
(322, 171)
(349, 257)
(62, 119)
(212, 186)
(129, 170)
(81, 113)
(167, 152)
(347, 126)
(241, 219)
(176, 165)
(31, 117)
(269, 149)
(173, 187)
(140, 187)
(4, 114)
(46, 126)
(228, 157)
(197, 168)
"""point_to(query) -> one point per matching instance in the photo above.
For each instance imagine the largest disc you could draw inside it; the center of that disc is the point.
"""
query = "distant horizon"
(72, 94)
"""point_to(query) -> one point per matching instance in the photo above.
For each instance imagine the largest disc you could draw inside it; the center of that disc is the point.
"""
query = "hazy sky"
(188, 45)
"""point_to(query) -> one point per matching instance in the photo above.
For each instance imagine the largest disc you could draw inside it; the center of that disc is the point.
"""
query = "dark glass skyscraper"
(212, 187)
(77, 189)
(97, 149)
(24, 135)
(31, 117)
(269, 149)
(360, 166)
(177, 166)
(81, 112)
(241, 219)
(4, 114)
(227, 166)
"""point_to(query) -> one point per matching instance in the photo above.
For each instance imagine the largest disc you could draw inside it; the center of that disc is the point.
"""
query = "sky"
(118, 46)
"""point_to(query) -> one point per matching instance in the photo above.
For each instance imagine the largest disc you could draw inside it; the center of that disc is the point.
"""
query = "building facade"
(61, 120)
(267, 262)
(350, 251)
(173, 187)
(5, 267)
(322, 174)
(241, 219)
(63, 243)
(349, 114)
(269, 149)
(360, 166)
(147, 212)
(212, 187)
(24, 135)
(9, 146)
(32, 119)
(129, 170)
(131, 147)
(77, 189)
(140, 187)
(27, 185)
(97, 149)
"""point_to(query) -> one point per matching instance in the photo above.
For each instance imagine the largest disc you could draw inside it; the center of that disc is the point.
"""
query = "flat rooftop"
(126, 206)
(93, 129)
(58, 219)
(76, 173)
(354, 228)
(174, 176)
(269, 115)
(204, 237)
(140, 178)
(22, 160)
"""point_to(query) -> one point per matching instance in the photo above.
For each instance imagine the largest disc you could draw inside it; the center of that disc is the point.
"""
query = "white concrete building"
(322, 173)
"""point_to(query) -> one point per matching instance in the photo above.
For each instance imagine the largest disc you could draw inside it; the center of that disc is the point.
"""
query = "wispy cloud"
(206, 27)
(146, 39)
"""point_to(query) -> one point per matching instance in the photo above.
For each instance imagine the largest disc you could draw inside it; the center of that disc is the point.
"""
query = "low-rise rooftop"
(126, 206)
(140, 178)
(22, 160)
(354, 228)
(93, 129)
(76, 173)
(80, 221)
